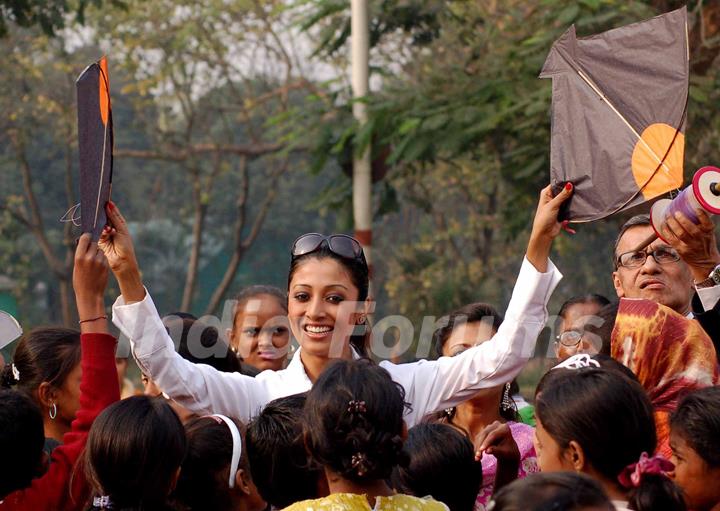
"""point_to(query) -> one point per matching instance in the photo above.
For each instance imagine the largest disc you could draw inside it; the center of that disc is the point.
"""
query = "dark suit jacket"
(709, 320)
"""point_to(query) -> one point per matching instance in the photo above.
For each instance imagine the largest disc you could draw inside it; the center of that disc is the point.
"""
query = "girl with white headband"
(215, 475)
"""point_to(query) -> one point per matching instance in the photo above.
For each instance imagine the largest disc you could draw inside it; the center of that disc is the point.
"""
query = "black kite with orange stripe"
(95, 145)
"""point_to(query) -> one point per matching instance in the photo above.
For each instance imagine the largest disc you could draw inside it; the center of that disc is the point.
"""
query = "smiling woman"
(329, 301)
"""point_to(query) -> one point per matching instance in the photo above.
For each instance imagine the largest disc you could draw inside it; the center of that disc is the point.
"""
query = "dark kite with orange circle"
(619, 103)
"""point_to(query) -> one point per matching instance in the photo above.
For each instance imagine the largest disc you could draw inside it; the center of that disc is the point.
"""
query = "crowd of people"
(628, 419)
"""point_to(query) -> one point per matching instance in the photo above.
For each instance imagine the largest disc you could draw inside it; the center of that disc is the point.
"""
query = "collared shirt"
(429, 386)
(709, 296)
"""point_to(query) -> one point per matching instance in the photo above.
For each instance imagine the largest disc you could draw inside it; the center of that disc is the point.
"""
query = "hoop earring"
(53, 411)
(506, 403)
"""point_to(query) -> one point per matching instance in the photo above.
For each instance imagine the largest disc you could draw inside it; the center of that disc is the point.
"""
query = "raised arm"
(431, 386)
(98, 389)
(198, 387)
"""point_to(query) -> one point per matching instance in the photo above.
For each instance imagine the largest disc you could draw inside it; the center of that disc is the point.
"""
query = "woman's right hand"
(116, 243)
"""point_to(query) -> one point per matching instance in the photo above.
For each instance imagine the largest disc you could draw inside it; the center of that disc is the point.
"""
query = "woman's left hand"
(546, 226)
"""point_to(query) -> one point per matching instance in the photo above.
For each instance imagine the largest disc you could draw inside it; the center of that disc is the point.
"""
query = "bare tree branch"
(35, 222)
(16, 215)
(242, 245)
(200, 207)
(180, 154)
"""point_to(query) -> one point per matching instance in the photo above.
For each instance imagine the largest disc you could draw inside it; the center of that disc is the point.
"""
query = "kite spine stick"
(687, 40)
(606, 100)
(102, 174)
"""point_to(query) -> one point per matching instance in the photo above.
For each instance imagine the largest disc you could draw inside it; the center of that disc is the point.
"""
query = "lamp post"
(362, 175)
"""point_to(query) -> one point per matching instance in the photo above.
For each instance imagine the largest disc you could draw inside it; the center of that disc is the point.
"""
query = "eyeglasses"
(570, 338)
(661, 255)
(339, 244)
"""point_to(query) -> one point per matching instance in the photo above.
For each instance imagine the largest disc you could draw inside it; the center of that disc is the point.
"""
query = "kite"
(619, 103)
(9, 329)
(95, 144)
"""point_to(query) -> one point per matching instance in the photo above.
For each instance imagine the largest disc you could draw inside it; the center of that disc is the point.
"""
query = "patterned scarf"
(669, 353)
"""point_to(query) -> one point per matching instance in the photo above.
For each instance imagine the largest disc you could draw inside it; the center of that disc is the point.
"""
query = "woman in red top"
(22, 452)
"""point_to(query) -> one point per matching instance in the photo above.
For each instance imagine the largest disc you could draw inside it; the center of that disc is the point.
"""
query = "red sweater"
(98, 389)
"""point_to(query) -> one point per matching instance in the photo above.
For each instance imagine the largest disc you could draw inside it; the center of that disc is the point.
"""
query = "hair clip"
(103, 502)
(632, 475)
(356, 407)
(15, 372)
(359, 462)
(579, 361)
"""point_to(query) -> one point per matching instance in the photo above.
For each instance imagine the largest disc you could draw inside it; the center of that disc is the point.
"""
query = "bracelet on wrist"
(91, 319)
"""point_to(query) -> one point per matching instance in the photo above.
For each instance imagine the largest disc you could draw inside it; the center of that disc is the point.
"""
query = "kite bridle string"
(627, 123)
(102, 164)
(640, 189)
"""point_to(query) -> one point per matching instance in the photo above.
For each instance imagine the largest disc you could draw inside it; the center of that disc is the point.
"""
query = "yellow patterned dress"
(355, 502)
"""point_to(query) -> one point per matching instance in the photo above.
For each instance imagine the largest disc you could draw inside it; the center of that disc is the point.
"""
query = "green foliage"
(48, 15)
(457, 114)
(331, 18)
(467, 121)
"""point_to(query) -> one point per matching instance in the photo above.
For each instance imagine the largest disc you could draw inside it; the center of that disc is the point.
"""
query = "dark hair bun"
(354, 421)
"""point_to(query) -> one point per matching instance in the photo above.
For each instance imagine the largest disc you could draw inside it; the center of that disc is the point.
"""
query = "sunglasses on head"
(339, 244)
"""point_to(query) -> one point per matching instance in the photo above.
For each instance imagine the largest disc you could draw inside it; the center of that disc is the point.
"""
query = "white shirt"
(709, 296)
(429, 386)
(620, 505)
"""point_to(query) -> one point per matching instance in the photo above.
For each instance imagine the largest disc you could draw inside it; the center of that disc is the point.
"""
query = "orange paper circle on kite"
(103, 85)
(656, 139)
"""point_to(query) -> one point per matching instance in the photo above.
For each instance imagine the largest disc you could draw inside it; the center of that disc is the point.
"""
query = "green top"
(527, 415)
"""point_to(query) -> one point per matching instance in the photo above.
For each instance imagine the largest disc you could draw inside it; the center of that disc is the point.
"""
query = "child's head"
(261, 334)
(277, 455)
(353, 424)
(556, 491)
(442, 464)
(215, 475)
(600, 422)
(21, 441)
(134, 451)
(695, 441)
(46, 367)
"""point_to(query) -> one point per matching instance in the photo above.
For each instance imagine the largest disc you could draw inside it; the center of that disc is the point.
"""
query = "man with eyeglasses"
(683, 274)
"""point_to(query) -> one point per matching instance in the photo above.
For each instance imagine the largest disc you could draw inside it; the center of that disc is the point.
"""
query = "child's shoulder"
(334, 502)
(352, 502)
(409, 503)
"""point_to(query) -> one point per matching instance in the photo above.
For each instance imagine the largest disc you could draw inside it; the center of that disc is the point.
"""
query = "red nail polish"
(111, 205)
(568, 186)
